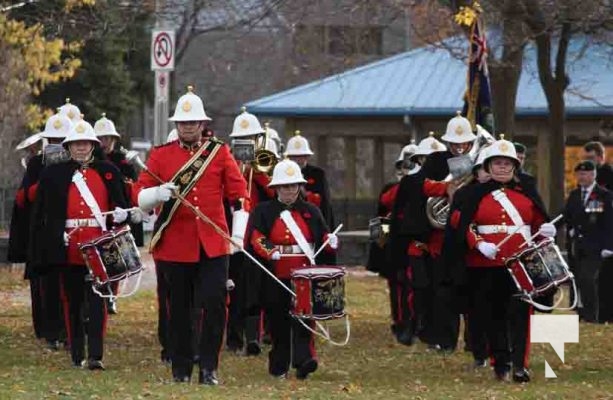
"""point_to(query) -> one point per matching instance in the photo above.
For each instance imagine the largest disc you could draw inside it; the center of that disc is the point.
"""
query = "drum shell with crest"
(539, 270)
(320, 293)
(112, 256)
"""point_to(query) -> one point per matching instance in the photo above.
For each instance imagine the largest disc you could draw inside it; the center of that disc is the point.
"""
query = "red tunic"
(490, 212)
(77, 209)
(264, 246)
(186, 233)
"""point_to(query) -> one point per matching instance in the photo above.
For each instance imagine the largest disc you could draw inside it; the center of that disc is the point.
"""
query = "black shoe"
(266, 339)
(111, 306)
(208, 377)
(405, 337)
(503, 376)
(181, 378)
(280, 377)
(78, 363)
(521, 375)
(234, 349)
(433, 347)
(93, 365)
(165, 358)
(446, 351)
(54, 345)
(480, 364)
(307, 367)
(253, 349)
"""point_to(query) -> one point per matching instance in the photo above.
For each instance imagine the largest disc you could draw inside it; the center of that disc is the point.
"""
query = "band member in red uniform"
(70, 199)
(393, 270)
(489, 212)
(246, 309)
(316, 190)
(44, 284)
(192, 255)
(274, 228)
(408, 248)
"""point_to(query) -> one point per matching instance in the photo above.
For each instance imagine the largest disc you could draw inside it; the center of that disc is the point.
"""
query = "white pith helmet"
(71, 111)
(58, 126)
(29, 141)
(297, 145)
(501, 148)
(286, 172)
(246, 124)
(105, 127)
(459, 130)
(407, 151)
(189, 108)
(428, 146)
(82, 130)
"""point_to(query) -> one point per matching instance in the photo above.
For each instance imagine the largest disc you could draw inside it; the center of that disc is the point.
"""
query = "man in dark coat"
(589, 217)
(595, 152)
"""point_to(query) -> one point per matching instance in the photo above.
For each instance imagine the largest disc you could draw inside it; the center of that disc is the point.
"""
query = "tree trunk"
(505, 73)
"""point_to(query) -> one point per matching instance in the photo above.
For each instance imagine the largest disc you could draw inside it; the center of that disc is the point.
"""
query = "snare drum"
(539, 270)
(320, 293)
(112, 257)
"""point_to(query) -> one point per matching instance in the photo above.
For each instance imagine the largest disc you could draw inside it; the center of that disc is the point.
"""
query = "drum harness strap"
(510, 209)
(291, 224)
(89, 198)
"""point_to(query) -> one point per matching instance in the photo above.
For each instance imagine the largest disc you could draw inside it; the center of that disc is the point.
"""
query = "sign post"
(162, 62)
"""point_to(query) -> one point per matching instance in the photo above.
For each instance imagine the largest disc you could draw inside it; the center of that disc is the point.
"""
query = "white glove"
(119, 215)
(333, 241)
(230, 285)
(606, 253)
(548, 230)
(488, 249)
(66, 239)
(276, 256)
(151, 197)
(136, 216)
(571, 233)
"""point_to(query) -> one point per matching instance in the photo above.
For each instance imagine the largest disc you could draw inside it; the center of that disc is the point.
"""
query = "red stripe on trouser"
(312, 343)
(527, 353)
(66, 305)
(223, 334)
(410, 292)
(104, 317)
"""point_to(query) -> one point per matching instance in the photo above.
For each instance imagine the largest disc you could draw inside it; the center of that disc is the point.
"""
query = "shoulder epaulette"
(164, 144)
(216, 139)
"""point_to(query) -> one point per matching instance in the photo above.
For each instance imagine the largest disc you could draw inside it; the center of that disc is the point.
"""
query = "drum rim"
(306, 272)
(111, 234)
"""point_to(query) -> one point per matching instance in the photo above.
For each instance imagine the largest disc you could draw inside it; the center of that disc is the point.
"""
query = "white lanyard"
(287, 218)
(89, 198)
(510, 209)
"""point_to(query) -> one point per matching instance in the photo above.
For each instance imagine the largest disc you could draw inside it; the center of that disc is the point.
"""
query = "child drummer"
(72, 201)
(285, 233)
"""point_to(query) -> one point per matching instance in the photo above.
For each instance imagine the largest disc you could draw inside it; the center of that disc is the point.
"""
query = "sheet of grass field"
(372, 366)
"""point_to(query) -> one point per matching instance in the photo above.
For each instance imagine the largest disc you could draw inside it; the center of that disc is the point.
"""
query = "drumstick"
(111, 212)
(556, 219)
(338, 228)
(212, 224)
(517, 228)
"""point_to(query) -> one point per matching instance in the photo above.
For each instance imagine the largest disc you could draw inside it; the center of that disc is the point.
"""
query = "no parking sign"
(163, 50)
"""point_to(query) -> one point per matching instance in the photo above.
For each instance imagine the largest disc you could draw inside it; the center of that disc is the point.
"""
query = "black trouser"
(163, 296)
(197, 285)
(51, 304)
(236, 321)
(445, 308)
(36, 298)
(80, 302)
(291, 342)
(491, 290)
(519, 329)
(401, 301)
(587, 267)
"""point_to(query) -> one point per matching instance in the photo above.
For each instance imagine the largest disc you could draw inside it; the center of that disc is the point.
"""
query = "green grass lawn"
(372, 366)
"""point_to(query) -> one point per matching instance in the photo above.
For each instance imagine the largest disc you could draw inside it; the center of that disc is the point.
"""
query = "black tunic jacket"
(48, 218)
